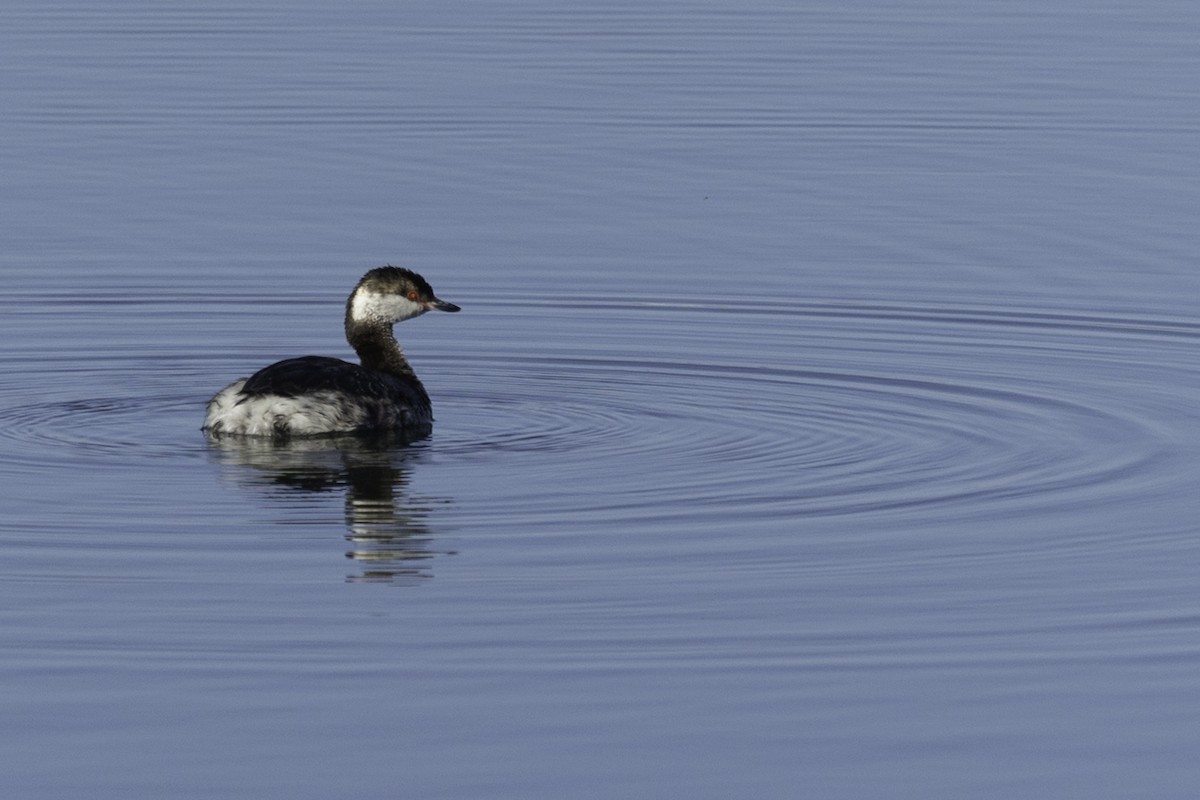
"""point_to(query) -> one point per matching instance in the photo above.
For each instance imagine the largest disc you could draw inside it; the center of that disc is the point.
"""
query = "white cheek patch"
(368, 306)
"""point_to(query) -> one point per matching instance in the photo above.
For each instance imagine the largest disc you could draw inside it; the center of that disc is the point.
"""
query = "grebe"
(315, 395)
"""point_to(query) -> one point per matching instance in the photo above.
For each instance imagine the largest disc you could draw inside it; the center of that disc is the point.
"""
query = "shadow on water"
(388, 530)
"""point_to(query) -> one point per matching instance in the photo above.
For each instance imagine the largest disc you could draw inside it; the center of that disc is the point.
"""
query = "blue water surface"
(821, 420)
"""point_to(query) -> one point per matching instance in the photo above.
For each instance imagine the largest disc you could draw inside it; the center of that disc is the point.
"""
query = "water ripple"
(956, 413)
(798, 410)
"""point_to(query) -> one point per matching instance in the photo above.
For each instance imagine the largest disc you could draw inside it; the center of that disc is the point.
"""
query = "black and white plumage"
(318, 395)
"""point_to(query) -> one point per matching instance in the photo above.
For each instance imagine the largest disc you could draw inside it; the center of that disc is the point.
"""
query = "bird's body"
(318, 395)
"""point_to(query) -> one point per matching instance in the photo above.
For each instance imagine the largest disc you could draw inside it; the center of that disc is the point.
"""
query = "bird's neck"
(377, 348)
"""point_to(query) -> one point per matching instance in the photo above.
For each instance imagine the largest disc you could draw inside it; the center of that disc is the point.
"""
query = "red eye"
(412, 296)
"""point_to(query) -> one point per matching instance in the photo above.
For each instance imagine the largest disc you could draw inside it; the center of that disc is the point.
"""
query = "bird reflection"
(387, 530)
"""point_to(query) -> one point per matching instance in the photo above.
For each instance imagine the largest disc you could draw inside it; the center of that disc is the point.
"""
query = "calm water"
(821, 420)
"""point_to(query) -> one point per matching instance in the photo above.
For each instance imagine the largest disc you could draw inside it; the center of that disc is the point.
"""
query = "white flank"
(269, 415)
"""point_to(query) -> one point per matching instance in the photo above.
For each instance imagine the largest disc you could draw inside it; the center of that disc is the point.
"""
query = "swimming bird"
(318, 395)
